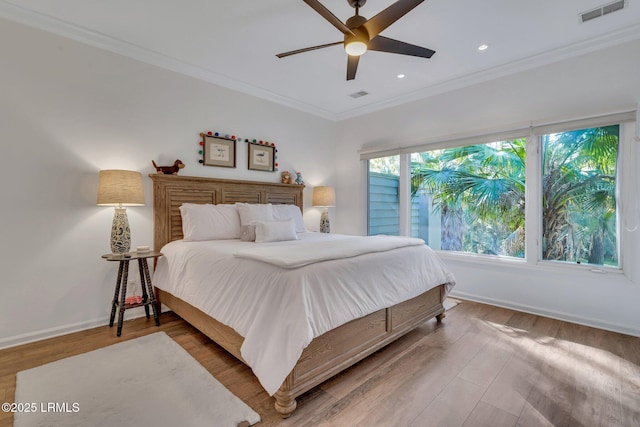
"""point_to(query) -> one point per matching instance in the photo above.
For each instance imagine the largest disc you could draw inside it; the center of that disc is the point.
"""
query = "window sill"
(521, 264)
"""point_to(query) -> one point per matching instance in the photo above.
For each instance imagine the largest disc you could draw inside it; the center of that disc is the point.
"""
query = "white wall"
(68, 110)
(590, 85)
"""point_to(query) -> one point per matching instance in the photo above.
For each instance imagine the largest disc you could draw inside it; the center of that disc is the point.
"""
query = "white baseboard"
(50, 333)
(594, 323)
(68, 329)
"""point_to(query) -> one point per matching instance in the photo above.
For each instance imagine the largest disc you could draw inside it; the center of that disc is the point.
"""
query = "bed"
(327, 352)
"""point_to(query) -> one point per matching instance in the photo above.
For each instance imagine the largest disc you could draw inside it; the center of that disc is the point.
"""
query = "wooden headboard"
(171, 191)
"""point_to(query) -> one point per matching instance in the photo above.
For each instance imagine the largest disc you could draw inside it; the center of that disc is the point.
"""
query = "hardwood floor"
(483, 366)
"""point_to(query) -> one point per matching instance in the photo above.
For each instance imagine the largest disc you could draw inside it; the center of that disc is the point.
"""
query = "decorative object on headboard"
(299, 180)
(262, 155)
(169, 170)
(218, 150)
(285, 177)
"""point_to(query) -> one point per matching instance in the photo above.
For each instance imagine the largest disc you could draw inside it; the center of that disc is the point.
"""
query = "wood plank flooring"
(483, 366)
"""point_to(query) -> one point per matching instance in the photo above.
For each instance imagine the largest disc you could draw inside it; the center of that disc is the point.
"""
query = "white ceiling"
(233, 43)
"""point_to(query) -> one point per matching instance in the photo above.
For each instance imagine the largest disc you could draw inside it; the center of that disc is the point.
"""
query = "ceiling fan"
(362, 34)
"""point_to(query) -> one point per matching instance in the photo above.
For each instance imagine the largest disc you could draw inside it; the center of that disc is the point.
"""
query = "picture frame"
(261, 157)
(218, 151)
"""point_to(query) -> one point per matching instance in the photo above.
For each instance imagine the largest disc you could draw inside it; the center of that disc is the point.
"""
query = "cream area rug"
(148, 381)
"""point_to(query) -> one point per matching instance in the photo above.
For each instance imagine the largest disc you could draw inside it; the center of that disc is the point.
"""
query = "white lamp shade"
(120, 188)
(324, 197)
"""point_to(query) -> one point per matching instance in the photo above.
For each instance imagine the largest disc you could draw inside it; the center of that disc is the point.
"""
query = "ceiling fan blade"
(326, 14)
(352, 66)
(388, 16)
(385, 44)
(307, 49)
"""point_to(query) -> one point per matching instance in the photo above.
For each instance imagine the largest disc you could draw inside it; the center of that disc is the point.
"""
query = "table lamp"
(324, 197)
(120, 188)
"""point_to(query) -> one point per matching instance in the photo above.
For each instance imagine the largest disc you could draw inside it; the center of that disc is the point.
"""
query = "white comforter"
(279, 310)
(312, 251)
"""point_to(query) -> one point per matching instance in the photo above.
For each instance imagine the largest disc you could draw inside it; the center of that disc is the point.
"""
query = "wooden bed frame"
(327, 354)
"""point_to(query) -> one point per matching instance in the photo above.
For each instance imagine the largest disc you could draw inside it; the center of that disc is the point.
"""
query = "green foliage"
(484, 184)
(579, 206)
(479, 191)
(386, 165)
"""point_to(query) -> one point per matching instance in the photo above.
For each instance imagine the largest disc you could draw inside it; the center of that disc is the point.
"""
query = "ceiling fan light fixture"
(355, 48)
(362, 34)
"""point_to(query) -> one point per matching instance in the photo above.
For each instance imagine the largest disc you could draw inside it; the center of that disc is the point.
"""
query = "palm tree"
(578, 205)
(483, 186)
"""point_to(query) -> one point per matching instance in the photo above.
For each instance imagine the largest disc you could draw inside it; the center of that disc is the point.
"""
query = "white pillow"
(275, 231)
(209, 222)
(282, 212)
(250, 212)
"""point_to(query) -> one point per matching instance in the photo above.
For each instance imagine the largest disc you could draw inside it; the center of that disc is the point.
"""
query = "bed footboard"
(340, 348)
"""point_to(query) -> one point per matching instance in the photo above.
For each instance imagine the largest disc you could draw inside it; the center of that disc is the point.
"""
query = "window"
(471, 198)
(384, 203)
(551, 197)
(579, 215)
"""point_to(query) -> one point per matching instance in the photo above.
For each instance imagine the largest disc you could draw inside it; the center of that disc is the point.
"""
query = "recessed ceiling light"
(401, 76)
(483, 47)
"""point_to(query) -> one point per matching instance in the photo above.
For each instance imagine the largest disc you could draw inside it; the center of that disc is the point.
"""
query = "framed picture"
(219, 151)
(261, 157)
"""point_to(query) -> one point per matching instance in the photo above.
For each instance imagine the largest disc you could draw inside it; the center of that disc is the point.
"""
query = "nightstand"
(148, 296)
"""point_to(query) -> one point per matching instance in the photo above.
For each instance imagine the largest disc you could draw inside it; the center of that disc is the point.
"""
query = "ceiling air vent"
(602, 10)
(612, 7)
(359, 94)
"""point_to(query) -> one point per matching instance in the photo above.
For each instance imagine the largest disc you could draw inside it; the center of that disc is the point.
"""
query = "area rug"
(146, 381)
(449, 303)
